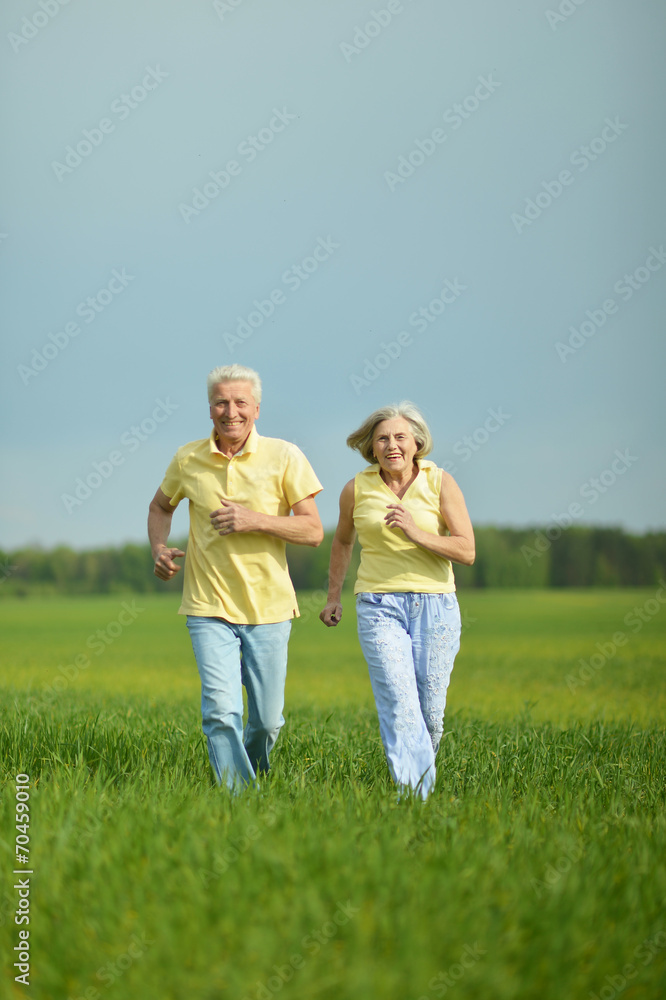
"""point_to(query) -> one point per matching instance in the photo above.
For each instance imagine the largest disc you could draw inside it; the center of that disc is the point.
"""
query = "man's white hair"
(234, 373)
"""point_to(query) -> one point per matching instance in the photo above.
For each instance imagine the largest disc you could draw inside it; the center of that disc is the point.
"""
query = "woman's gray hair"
(361, 439)
(234, 373)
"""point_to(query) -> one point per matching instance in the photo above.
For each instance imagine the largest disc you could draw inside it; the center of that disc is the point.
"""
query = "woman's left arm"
(458, 545)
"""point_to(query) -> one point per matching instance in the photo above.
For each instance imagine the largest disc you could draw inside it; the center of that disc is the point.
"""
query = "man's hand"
(165, 567)
(331, 614)
(232, 517)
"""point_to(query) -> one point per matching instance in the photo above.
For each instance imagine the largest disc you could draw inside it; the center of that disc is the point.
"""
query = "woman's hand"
(331, 614)
(399, 517)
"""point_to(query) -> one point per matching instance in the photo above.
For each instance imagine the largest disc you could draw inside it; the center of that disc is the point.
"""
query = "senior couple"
(248, 496)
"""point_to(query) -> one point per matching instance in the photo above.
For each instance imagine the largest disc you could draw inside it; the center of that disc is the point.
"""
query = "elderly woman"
(412, 523)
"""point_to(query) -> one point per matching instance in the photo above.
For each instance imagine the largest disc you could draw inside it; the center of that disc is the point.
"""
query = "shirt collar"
(248, 448)
(375, 469)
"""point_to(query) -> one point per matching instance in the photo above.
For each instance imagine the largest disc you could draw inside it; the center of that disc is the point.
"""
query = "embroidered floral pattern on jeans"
(442, 642)
(410, 642)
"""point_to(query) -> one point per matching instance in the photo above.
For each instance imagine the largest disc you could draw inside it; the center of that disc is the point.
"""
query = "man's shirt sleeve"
(172, 484)
(299, 480)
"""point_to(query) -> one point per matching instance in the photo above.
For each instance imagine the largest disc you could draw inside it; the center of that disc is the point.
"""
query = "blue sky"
(460, 204)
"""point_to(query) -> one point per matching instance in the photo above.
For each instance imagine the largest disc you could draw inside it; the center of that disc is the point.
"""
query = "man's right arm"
(160, 514)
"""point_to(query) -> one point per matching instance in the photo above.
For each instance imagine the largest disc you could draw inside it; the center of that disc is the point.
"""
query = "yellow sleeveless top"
(390, 563)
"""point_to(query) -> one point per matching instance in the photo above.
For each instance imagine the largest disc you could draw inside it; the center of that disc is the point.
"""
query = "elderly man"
(239, 600)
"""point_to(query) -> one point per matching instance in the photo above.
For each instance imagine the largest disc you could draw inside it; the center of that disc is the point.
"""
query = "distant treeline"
(505, 557)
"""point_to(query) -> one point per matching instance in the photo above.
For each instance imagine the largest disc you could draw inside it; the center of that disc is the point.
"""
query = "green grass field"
(536, 869)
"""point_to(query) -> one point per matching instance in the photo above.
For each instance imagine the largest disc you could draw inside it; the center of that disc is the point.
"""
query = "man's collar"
(250, 446)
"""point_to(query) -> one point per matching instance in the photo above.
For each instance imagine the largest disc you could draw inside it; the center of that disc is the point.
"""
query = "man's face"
(233, 412)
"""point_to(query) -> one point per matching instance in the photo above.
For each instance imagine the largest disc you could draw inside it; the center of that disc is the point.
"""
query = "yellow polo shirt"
(390, 563)
(241, 577)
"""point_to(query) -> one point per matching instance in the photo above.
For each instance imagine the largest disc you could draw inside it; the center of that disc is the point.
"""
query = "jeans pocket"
(369, 598)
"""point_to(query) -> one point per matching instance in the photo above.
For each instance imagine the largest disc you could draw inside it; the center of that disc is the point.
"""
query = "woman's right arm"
(341, 552)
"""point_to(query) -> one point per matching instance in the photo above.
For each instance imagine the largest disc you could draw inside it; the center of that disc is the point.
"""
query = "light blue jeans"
(410, 642)
(229, 656)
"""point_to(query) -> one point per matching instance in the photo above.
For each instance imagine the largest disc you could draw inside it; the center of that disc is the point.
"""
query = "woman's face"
(394, 445)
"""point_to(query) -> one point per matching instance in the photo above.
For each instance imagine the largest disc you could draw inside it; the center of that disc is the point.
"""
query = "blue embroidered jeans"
(410, 642)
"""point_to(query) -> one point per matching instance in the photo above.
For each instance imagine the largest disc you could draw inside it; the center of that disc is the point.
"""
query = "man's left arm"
(304, 528)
